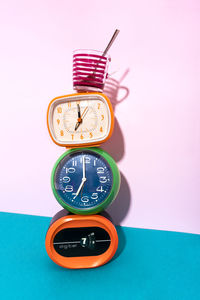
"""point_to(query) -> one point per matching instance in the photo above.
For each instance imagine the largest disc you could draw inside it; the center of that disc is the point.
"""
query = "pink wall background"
(157, 137)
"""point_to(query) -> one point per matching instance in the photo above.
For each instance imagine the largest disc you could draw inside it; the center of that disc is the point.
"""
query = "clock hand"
(77, 125)
(82, 191)
(83, 174)
(83, 178)
(79, 117)
(79, 111)
(84, 168)
(84, 112)
(80, 187)
(80, 120)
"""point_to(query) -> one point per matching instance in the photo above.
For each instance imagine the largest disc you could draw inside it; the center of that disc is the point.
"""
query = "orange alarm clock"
(78, 242)
(81, 119)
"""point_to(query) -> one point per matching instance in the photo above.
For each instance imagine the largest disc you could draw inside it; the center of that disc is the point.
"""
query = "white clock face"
(79, 119)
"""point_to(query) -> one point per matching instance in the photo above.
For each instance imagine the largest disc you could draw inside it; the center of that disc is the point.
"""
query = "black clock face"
(82, 241)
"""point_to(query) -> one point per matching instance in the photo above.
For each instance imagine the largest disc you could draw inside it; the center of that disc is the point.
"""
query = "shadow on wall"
(120, 207)
(117, 211)
(115, 145)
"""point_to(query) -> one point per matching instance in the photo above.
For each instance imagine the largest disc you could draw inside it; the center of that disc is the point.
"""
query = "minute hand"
(83, 179)
(84, 168)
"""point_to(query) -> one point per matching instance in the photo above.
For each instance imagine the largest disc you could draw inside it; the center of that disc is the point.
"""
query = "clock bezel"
(75, 221)
(114, 189)
(94, 142)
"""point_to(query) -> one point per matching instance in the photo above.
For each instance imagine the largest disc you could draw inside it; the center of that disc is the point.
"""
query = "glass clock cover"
(85, 181)
(80, 119)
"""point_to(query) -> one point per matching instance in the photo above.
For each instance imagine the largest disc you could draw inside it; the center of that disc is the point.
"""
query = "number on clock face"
(79, 119)
(83, 179)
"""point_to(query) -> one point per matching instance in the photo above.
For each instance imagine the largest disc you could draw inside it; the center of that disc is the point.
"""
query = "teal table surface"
(149, 264)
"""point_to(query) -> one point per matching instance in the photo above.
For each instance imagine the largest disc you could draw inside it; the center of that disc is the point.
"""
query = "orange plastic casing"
(84, 144)
(74, 221)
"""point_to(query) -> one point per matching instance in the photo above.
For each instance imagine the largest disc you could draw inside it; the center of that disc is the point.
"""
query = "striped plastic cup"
(89, 70)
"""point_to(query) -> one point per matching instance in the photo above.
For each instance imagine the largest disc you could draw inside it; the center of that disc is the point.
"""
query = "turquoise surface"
(149, 264)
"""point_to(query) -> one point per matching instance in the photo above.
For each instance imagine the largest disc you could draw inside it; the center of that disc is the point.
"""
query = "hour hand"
(78, 124)
(80, 187)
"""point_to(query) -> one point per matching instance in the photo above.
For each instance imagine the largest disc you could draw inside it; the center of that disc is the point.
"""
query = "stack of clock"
(84, 180)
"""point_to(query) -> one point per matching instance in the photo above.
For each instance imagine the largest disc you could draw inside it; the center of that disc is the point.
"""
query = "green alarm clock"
(85, 180)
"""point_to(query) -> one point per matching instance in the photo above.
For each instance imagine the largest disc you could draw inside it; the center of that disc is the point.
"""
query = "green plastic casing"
(115, 185)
